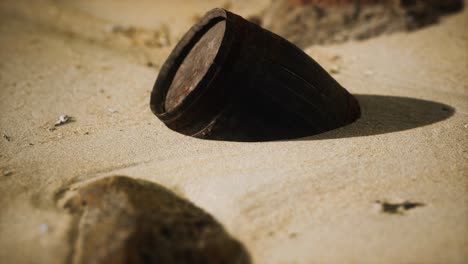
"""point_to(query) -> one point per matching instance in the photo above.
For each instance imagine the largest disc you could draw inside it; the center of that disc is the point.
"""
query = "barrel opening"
(169, 71)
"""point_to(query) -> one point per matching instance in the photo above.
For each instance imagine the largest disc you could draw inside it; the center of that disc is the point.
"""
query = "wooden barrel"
(229, 79)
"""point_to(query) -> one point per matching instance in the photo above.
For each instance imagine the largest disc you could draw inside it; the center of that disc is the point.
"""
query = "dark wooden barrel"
(229, 79)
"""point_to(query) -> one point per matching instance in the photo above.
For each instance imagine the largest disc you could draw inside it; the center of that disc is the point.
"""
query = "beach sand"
(309, 200)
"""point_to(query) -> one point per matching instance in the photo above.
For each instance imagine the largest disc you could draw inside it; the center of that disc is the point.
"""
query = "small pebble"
(63, 119)
(397, 207)
(335, 69)
(7, 138)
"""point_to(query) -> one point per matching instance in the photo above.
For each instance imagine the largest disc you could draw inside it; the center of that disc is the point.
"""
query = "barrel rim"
(175, 59)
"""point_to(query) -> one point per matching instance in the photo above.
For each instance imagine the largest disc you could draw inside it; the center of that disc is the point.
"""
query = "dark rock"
(123, 220)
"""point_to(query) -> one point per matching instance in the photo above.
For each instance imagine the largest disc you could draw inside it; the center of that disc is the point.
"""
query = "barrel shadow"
(386, 114)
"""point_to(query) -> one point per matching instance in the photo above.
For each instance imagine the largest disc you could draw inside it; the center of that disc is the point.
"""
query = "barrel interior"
(195, 66)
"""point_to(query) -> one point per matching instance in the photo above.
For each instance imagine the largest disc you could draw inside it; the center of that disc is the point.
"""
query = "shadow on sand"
(387, 114)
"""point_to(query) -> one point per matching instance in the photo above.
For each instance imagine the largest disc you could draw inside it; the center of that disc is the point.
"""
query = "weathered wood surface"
(230, 79)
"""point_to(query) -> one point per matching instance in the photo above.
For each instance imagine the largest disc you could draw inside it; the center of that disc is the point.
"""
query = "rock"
(123, 220)
(308, 22)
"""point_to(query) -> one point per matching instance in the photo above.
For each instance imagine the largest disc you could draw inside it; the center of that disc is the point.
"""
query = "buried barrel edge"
(258, 87)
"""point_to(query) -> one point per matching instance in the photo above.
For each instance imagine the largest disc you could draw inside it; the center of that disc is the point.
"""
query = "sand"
(310, 200)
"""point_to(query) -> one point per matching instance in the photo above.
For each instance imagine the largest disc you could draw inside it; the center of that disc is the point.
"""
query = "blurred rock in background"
(307, 22)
